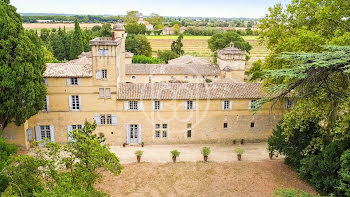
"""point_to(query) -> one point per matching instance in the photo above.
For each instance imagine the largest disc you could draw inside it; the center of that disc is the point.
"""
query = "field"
(198, 46)
(245, 178)
(69, 26)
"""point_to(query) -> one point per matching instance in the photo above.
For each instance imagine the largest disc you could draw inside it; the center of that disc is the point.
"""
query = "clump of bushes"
(205, 152)
(166, 55)
(174, 154)
(141, 59)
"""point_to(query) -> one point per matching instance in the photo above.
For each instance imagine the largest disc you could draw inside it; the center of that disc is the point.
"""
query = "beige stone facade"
(154, 104)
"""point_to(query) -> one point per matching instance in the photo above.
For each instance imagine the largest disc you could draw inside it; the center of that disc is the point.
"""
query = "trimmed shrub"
(166, 55)
(141, 59)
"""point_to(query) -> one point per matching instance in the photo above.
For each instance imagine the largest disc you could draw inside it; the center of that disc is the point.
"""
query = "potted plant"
(142, 144)
(239, 152)
(138, 154)
(205, 152)
(175, 153)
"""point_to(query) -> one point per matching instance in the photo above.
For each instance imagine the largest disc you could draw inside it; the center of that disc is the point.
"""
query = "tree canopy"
(138, 44)
(177, 45)
(77, 42)
(221, 40)
(134, 28)
(22, 65)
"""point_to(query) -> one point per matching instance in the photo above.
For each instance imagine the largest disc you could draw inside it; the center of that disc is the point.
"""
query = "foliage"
(138, 45)
(6, 150)
(321, 170)
(77, 42)
(176, 28)
(80, 18)
(222, 40)
(139, 153)
(175, 153)
(62, 169)
(205, 151)
(134, 28)
(22, 65)
(166, 55)
(291, 193)
(344, 173)
(208, 80)
(239, 151)
(292, 137)
(131, 17)
(106, 30)
(156, 21)
(177, 45)
(141, 59)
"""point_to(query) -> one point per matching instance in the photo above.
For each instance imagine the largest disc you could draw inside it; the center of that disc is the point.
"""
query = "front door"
(134, 133)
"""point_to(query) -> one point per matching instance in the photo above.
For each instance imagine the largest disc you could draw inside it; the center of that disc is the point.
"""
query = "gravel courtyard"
(191, 152)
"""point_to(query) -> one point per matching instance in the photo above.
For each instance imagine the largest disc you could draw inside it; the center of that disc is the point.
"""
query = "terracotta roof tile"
(182, 91)
(81, 67)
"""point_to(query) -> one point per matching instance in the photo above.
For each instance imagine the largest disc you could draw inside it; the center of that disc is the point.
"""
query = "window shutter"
(185, 105)
(68, 81)
(52, 133)
(102, 92)
(69, 129)
(153, 105)
(80, 103)
(140, 105)
(230, 107)
(161, 105)
(194, 105)
(139, 139)
(79, 81)
(70, 102)
(128, 134)
(46, 81)
(47, 103)
(108, 92)
(37, 133)
(223, 105)
(97, 119)
(250, 104)
(114, 120)
(98, 74)
(126, 105)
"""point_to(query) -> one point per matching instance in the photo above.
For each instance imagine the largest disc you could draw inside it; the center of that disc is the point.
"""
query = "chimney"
(113, 36)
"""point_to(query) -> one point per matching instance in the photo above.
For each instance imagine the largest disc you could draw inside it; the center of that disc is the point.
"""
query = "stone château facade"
(188, 100)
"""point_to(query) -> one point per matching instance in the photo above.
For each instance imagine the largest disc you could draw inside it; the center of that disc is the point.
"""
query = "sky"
(194, 8)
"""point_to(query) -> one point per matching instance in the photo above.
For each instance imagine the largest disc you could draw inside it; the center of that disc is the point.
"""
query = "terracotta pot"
(138, 159)
(174, 159)
(205, 158)
(239, 157)
(270, 155)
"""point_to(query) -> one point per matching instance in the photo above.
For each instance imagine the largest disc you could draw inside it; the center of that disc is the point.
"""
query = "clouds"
(204, 8)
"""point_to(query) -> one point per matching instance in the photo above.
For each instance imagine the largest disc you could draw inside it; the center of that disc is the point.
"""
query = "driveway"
(191, 152)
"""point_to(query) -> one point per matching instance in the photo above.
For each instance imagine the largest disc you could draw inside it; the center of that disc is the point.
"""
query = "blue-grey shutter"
(126, 105)
(194, 105)
(68, 80)
(230, 107)
(70, 102)
(140, 105)
(69, 129)
(185, 105)
(161, 105)
(250, 104)
(223, 105)
(139, 139)
(153, 105)
(128, 134)
(97, 119)
(114, 120)
(79, 81)
(80, 103)
(37, 133)
(52, 133)
(47, 103)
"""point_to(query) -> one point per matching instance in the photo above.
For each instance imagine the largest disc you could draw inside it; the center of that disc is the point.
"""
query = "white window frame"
(157, 105)
(104, 74)
(109, 119)
(47, 130)
(102, 119)
(101, 92)
(226, 105)
(74, 81)
(252, 104)
(75, 102)
(190, 105)
(133, 105)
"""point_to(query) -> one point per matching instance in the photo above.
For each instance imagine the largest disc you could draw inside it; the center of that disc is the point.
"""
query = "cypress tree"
(77, 42)
(21, 69)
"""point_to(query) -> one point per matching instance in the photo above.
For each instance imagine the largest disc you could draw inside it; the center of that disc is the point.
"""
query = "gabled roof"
(184, 91)
(81, 67)
(172, 69)
(188, 59)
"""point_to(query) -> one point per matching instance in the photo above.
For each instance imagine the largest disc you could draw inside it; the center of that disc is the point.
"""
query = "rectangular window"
(103, 119)
(165, 126)
(45, 106)
(45, 132)
(226, 105)
(109, 119)
(190, 105)
(104, 74)
(157, 126)
(165, 134)
(108, 92)
(100, 52)
(105, 52)
(289, 104)
(157, 134)
(225, 125)
(133, 105)
(157, 105)
(189, 133)
(74, 81)
(102, 92)
(76, 127)
(75, 102)
(252, 104)
(252, 124)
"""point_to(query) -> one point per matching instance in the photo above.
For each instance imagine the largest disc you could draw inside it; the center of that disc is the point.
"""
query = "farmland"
(68, 26)
(198, 46)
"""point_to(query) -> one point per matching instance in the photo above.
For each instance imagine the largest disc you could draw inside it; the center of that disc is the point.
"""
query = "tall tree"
(77, 42)
(138, 44)
(106, 30)
(177, 45)
(221, 40)
(131, 17)
(21, 69)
